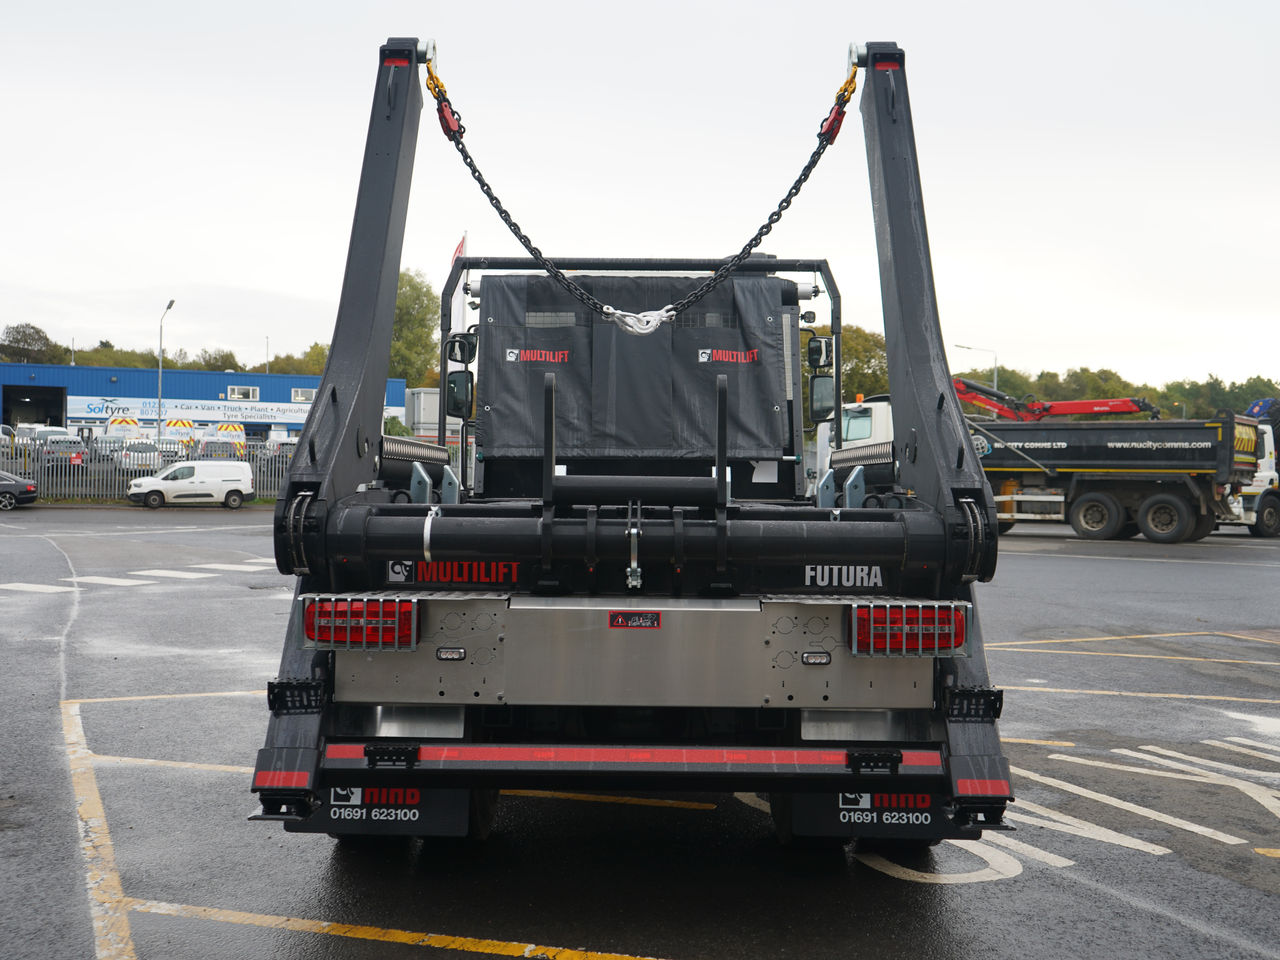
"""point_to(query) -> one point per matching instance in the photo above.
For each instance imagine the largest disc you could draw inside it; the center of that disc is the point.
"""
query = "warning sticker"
(635, 620)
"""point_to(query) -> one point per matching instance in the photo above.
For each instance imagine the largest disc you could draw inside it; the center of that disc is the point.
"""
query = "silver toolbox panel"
(600, 651)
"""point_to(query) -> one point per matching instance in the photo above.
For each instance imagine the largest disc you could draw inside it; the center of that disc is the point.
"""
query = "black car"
(15, 490)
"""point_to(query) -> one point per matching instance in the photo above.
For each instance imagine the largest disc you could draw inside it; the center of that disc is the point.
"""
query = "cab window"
(180, 473)
(857, 424)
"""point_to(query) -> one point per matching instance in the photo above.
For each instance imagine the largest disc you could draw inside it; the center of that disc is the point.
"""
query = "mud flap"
(890, 813)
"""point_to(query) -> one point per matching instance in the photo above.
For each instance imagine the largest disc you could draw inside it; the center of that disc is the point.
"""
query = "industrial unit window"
(303, 394)
(242, 393)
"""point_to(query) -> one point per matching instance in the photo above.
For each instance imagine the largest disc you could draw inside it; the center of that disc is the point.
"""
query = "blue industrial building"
(87, 397)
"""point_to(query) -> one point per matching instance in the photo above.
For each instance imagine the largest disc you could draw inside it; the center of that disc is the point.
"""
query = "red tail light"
(382, 624)
(908, 628)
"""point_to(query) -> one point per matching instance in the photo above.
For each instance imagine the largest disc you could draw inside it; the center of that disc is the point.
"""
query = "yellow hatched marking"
(112, 937)
(1267, 851)
(501, 948)
(603, 798)
(1154, 696)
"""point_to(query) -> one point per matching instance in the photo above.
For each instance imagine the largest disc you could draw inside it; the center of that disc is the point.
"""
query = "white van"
(227, 482)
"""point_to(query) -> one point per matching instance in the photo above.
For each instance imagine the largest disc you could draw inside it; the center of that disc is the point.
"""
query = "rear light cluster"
(360, 623)
(908, 628)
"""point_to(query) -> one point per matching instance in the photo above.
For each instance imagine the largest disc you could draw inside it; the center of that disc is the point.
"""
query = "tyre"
(8, 501)
(233, 500)
(1268, 522)
(154, 499)
(1202, 526)
(1097, 516)
(1005, 526)
(1165, 518)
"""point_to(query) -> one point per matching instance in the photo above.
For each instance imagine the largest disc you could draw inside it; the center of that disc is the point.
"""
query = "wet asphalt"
(1142, 712)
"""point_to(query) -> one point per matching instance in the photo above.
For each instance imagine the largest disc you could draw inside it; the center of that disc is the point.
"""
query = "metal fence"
(86, 477)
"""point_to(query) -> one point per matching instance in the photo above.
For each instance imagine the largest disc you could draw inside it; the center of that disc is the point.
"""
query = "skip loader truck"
(629, 588)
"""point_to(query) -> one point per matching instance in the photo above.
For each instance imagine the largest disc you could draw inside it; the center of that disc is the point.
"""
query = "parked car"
(61, 449)
(138, 455)
(219, 450)
(171, 449)
(104, 449)
(227, 482)
(15, 490)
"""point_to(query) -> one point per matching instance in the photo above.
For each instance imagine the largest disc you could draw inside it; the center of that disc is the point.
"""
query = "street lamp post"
(995, 364)
(160, 373)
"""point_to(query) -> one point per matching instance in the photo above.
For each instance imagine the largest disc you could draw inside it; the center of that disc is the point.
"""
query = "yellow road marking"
(171, 696)
(1140, 656)
(1004, 644)
(1038, 743)
(603, 798)
(112, 937)
(439, 941)
(181, 764)
(1267, 851)
(1130, 693)
(1133, 636)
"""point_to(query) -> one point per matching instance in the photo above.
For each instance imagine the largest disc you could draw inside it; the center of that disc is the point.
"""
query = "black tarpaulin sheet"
(622, 395)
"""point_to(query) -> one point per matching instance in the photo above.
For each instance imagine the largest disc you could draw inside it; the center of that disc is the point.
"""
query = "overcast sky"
(1100, 179)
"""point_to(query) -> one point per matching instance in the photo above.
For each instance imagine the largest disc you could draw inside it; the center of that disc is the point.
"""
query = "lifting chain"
(649, 320)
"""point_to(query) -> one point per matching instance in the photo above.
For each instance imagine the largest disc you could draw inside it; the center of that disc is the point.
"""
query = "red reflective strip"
(281, 778)
(888, 65)
(344, 751)
(672, 755)
(921, 758)
(395, 62)
(983, 788)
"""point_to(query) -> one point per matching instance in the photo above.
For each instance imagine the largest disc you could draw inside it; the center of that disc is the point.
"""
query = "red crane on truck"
(1011, 408)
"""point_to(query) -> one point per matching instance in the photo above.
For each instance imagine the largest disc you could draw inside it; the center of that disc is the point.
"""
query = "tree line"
(415, 351)
(415, 357)
(864, 369)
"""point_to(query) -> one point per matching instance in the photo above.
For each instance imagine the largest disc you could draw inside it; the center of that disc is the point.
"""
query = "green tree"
(27, 343)
(415, 344)
(208, 359)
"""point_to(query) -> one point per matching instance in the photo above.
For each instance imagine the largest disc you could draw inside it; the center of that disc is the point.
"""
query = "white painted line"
(1131, 807)
(1000, 866)
(266, 561)
(1273, 757)
(1080, 828)
(109, 581)
(1256, 743)
(1266, 796)
(1199, 761)
(36, 588)
(172, 574)
(1026, 850)
(238, 567)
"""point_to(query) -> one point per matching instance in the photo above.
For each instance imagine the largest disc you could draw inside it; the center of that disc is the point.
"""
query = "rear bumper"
(902, 790)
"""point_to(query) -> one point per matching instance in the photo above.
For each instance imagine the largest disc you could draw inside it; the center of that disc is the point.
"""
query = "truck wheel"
(1202, 526)
(1097, 516)
(1268, 522)
(233, 500)
(1165, 518)
(154, 499)
(1004, 526)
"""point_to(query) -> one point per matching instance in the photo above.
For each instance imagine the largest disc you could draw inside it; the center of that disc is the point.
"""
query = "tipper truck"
(629, 588)
(1171, 480)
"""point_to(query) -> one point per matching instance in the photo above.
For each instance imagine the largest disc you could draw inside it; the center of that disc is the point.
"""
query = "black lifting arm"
(339, 444)
(931, 443)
